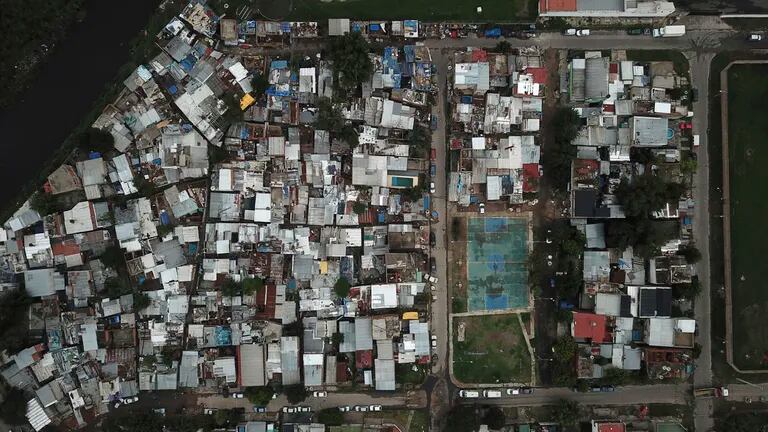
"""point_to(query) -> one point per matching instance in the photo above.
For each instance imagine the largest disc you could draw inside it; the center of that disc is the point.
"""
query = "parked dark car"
(608, 388)
(526, 390)
(433, 265)
(432, 239)
(433, 170)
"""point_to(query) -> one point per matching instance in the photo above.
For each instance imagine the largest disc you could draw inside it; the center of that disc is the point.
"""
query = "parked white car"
(320, 394)
(345, 408)
(375, 407)
(130, 400)
(238, 395)
(582, 32)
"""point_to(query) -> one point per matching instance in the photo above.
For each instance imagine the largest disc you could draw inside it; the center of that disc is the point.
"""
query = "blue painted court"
(497, 249)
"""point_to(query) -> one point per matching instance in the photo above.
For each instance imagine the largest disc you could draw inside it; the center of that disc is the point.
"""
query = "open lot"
(747, 103)
(493, 350)
(430, 10)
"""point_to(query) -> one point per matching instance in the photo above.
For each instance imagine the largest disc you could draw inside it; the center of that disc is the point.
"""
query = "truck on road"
(717, 392)
(669, 31)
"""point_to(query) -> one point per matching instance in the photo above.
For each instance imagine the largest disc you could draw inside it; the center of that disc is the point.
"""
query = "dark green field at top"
(748, 152)
(425, 10)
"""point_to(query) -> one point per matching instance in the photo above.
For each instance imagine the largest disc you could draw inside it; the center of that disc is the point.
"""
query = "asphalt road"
(670, 394)
(700, 70)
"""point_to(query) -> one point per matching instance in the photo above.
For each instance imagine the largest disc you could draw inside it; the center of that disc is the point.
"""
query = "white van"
(469, 394)
(491, 394)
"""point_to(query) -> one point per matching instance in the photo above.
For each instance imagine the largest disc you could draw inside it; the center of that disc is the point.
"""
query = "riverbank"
(41, 130)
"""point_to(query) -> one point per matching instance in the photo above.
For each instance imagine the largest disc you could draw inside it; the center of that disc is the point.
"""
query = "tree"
(337, 338)
(565, 349)
(566, 413)
(260, 84)
(328, 115)
(252, 285)
(295, 393)
(359, 208)
(742, 422)
(143, 186)
(351, 64)
(419, 142)
(14, 407)
(259, 395)
(164, 230)
(646, 236)
(494, 418)
(645, 194)
(615, 376)
(141, 301)
(95, 139)
(330, 417)
(342, 287)
(117, 287)
(690, 252)
(556, 161)
(687, 290)
(168, 353)
(503, 47)
(224, 417)
(463, 418)
(44, 203)
(149, 361)
(231, 287)
(113, 257)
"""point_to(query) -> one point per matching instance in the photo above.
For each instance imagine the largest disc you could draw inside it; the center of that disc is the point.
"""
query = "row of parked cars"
(360, 408)
(493, 394)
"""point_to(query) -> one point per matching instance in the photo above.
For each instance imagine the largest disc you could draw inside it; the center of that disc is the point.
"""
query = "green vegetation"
(493, 350)
(405, 374)
(148, 421)
(494, 417)
(330, 417)
(567, 413)
(419, 141)
(94, 139)
(252, 285)
(231, 287)
(645, 235)
(448, 10)
(295, 393)
(32, 27)
(164, 230)
(359, 208)
(144, 187)
(646, 194)
(342, 287)
(140, 301)
(742, 422)
(13, 407)
(45, 203)
(329, 118)
(691, 253)
(747, 99)
(463, 418)
(259, 396)
(149, 361)
(556, 160)
(503, 47)
(351, 64)
(564, 358)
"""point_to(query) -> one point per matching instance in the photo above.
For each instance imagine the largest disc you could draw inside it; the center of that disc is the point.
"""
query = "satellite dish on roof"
(226, 5)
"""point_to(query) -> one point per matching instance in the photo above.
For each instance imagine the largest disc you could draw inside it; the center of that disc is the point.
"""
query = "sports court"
(497, 277)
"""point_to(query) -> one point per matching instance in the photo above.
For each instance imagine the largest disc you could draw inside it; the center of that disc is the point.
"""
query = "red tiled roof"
(589, 326)
(364, 359)
(539, 74)
(557, 6)
(610, 427)
(530, 173)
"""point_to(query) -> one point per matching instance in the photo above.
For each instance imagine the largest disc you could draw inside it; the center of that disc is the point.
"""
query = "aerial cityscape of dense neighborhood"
(409, 225)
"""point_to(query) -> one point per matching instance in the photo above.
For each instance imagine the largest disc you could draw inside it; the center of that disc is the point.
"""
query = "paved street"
(630, 395)
(333, 400)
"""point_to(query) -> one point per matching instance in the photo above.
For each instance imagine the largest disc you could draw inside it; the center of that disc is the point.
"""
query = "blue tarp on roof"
(172, 89)
(375, 27)
(356, 27)
(493, 33)
(165, 219)
(188, 62)
(94, 155)
(223, 336)
(410, 54)
(466, 99)
(285, 27)
(278, 64)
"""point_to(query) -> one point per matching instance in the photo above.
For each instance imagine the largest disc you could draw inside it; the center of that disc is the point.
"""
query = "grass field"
(494, 350)
(427, 10)
(747, 105)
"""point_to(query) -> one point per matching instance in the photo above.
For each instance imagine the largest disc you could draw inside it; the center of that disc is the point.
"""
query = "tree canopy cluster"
(351, 64)
(556, 160)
